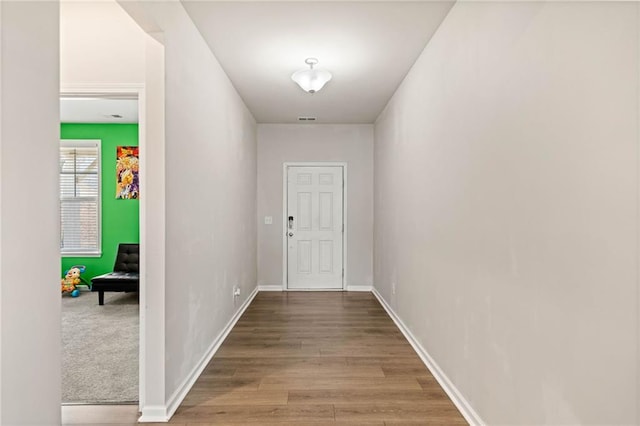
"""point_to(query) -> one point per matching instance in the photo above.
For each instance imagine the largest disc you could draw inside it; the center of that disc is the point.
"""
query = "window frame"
(84, 143)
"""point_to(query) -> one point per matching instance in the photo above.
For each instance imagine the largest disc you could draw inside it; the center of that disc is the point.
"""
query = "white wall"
(280, 143)
(506, 208)
(29, 218)
(211, 199)
(210, 157)
(100, 43)
(153, 230)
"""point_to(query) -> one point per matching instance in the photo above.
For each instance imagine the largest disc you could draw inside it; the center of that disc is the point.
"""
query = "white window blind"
(80, 197)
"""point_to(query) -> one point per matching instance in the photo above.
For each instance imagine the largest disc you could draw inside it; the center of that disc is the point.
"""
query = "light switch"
(268, 220)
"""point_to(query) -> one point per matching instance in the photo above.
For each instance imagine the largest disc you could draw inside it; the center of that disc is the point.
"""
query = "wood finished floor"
(308, 358)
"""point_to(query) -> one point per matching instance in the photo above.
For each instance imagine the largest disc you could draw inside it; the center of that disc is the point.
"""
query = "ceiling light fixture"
(311, 80)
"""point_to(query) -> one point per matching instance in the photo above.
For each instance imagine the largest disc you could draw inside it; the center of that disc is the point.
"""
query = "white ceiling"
(368, 47)
(98, 110)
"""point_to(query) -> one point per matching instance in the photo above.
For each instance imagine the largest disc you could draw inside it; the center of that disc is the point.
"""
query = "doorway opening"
(101, 348)
(315, 238)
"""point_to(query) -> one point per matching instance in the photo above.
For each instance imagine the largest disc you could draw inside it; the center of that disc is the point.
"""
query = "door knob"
(291, 234)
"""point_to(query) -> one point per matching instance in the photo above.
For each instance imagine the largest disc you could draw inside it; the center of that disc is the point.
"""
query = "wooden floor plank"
(256, 414)
(239, 363)
(309, 371)
(430, 421)
(339, 383)
(235, 398)
(296, 423)
(351, 396)
(400, 411)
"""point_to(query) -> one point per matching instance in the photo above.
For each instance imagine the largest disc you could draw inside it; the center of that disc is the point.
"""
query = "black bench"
(125, 276)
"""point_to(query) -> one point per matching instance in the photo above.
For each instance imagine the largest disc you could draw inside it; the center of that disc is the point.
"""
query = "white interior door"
(314, 227)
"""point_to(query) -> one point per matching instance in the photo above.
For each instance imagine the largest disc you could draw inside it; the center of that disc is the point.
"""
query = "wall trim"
(155, 413)
(278, 287)
(364, 288)
(456, 396)
(637, 227)
(130, 91)
(270, 287)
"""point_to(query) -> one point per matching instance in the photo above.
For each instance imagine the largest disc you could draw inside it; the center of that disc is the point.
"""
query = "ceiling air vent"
(306, 119)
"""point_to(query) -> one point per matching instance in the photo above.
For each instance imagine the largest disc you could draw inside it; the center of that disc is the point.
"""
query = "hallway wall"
(353, 144)
(506, 218)
(100, 44)
(211, 199)
(29, 214)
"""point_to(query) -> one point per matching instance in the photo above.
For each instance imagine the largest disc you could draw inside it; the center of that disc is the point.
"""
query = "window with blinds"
(80, 198)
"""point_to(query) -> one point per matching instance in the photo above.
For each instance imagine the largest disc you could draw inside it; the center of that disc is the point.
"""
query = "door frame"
(285, 190)
(131, 91)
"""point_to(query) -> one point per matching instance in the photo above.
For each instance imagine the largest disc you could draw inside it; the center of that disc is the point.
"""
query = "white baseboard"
(270, 287)
(359, 288)
(278, 287)
(164, 414)
(458, 399)
(154, 414)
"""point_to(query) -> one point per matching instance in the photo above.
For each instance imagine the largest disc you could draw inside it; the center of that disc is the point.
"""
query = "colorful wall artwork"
(127, 186)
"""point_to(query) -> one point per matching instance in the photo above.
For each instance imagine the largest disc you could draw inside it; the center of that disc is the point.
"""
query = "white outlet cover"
(268, 220)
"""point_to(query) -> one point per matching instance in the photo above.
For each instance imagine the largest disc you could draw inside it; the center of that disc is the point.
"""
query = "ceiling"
(368, 47)
(98, 110)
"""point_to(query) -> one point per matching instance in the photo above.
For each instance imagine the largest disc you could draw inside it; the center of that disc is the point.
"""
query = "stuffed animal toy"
(70, 280)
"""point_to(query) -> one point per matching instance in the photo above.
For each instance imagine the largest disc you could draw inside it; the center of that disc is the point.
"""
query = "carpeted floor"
(100, 348)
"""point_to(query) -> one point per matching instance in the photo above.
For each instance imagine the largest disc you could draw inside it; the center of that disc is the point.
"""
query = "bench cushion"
(125, 275)
(116, 281)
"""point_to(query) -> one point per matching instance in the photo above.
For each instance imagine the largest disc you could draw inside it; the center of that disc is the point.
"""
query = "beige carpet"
(100, 348)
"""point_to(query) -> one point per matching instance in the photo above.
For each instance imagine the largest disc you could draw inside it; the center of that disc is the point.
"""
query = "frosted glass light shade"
(311, 80)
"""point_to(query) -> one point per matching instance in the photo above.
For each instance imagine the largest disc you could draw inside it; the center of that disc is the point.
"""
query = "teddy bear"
(70, 280)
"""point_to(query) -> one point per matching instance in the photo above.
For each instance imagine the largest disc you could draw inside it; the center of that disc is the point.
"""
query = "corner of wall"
(465, 408)
(181, 392)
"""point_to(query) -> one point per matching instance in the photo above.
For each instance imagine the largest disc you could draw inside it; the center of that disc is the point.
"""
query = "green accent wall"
(120, 218)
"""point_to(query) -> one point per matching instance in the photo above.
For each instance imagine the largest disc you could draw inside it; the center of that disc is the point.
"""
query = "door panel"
(315, 236)
(304, 211)
(326, 211)
(304, 257)
(326, 257)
